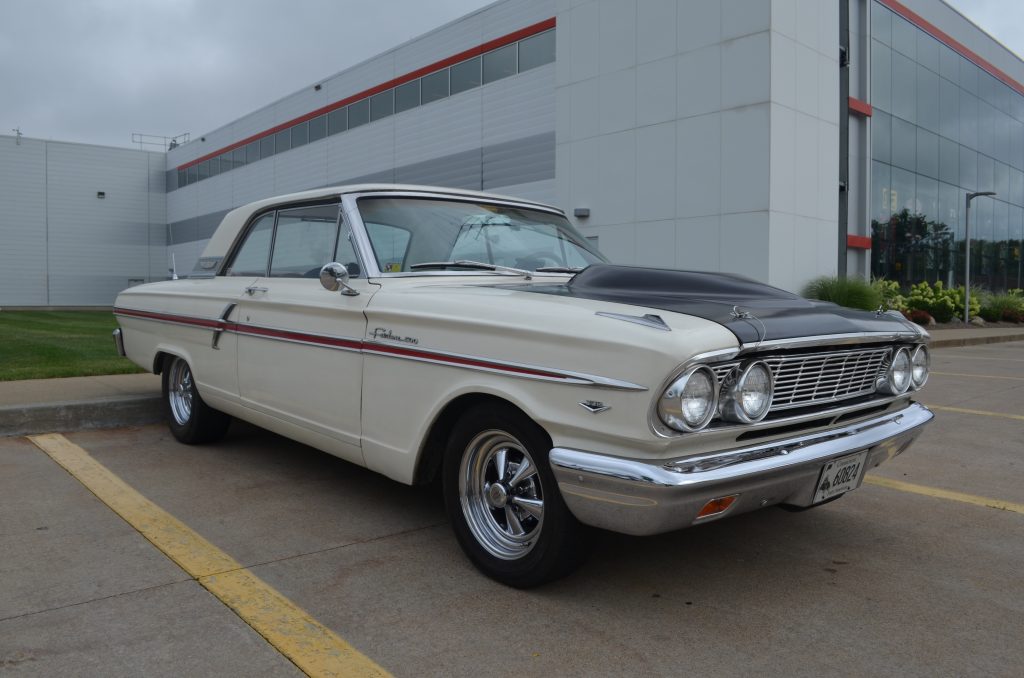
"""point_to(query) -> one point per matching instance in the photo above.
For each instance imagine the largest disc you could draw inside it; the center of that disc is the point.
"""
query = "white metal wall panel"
(361, 151)
(301, 168)
(22, 222)
(502, 18)
(98, 246)
(519, 106)
(251, 182)
(443, 127)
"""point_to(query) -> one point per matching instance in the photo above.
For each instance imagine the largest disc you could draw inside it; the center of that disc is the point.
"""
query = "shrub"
(1012, 316)
(919, 317)
(849, 292)
(997, 307)
(892, 297)
(941, 303)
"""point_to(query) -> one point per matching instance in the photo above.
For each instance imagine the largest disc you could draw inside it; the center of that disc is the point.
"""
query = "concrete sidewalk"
(76, 403)
(47, 405)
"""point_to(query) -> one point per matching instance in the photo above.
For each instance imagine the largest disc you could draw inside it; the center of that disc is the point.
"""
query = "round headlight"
(897, 378)
(748, 398)
(690, 402)
(920, 362)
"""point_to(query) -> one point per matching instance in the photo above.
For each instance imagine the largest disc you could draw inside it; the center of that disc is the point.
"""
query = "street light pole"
(967, 253)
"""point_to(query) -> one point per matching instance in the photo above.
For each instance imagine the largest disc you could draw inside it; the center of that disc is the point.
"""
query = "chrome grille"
(814, 378)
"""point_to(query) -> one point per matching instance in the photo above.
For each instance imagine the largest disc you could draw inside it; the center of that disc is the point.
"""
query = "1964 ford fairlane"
(425, 332)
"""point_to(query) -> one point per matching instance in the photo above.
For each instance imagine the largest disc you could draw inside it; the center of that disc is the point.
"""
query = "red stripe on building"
(951, 42)
(859, 107)
(521, 34)
(858, 242)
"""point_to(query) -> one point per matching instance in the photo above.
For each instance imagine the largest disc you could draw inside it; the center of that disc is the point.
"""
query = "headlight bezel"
(921, 349)
(889, 384)
(732, 401)
(670, 410)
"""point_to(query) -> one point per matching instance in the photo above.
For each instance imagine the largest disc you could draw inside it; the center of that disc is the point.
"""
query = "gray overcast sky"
(97, 70)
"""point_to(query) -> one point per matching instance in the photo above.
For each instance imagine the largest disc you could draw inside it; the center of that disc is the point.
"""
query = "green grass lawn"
(45, 344)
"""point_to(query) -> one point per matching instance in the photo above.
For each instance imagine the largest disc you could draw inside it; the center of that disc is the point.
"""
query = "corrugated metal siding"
(64, 246)
(96, 246)
(22, 222)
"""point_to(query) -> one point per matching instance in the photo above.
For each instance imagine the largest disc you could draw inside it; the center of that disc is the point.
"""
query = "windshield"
(409, 231)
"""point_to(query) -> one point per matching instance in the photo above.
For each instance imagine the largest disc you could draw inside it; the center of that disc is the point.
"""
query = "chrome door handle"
(251, 291)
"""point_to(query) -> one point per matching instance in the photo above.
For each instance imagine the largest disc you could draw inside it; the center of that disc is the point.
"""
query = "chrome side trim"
(647, 320)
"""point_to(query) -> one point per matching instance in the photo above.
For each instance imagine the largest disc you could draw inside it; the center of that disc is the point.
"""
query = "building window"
(300, 134)
(358, 113)
(465, 76)
(204, 170)
(317, 128)
(337, 120)
(500, 63)
(407, 96)
(382, 105)
(434, 86)
(252, 152)
(536, 51)
(267, 146)
(282, 141)
(238, 156)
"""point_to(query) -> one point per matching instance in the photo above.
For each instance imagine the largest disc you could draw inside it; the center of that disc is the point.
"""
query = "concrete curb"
(108, 412)
(973, 341)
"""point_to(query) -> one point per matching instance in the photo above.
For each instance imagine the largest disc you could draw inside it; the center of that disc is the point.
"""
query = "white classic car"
(427, 332)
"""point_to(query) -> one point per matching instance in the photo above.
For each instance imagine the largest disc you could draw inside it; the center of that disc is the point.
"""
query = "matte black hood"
(725, 299)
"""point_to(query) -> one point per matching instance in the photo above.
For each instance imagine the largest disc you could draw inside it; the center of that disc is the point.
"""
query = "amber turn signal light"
(716, 506)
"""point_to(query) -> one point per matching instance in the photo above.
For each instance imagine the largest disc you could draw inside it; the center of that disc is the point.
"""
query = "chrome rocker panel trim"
(644, 497)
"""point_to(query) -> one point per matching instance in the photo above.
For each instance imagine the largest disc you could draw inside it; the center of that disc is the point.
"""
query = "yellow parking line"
(944, 494)
(310, 645)
(983, 413)
(976, 376)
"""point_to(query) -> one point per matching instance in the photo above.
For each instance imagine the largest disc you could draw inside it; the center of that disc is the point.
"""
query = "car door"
(299, 345)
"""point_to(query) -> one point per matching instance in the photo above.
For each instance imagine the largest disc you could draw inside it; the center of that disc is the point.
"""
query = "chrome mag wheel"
(180, 391)
(501, 495)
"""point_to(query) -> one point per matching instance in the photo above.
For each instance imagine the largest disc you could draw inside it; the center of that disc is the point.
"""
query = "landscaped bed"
(46, 344)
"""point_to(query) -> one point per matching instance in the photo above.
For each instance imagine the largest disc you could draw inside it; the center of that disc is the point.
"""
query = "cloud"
(95, 71)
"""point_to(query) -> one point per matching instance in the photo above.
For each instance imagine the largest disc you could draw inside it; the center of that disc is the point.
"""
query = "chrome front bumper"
(119, 343)
(652, 496)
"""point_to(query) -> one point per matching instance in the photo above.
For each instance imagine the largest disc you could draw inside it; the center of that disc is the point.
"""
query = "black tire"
(190, 419)
(549, 546)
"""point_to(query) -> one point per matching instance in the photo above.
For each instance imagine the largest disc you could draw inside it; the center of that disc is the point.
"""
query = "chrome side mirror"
(334, 277)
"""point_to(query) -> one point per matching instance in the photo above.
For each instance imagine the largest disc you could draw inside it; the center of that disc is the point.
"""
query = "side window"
(390, 244)
(252, 257)
(304, 241)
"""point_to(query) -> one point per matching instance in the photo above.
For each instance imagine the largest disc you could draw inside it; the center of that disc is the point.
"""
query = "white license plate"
(840, 475)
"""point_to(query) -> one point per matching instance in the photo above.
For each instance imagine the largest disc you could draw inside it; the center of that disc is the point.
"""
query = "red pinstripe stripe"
(516, 36)
(336, 342)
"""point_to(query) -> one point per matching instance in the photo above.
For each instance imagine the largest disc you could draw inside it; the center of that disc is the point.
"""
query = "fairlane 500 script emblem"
(388, 335)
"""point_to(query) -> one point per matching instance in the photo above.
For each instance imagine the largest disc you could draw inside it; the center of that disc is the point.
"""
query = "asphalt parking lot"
(917, 573)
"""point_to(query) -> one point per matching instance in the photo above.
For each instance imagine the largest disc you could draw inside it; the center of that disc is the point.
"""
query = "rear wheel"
(190, 419)
(503, 501)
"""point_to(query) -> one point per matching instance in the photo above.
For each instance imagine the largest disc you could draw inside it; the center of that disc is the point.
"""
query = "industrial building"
(779, 139)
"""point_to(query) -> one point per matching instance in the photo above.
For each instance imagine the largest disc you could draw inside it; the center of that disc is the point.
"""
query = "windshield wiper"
(466, 263)
(559, 269)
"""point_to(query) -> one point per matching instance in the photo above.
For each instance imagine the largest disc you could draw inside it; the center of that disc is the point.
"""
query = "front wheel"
(503, 501)
(190, 419)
